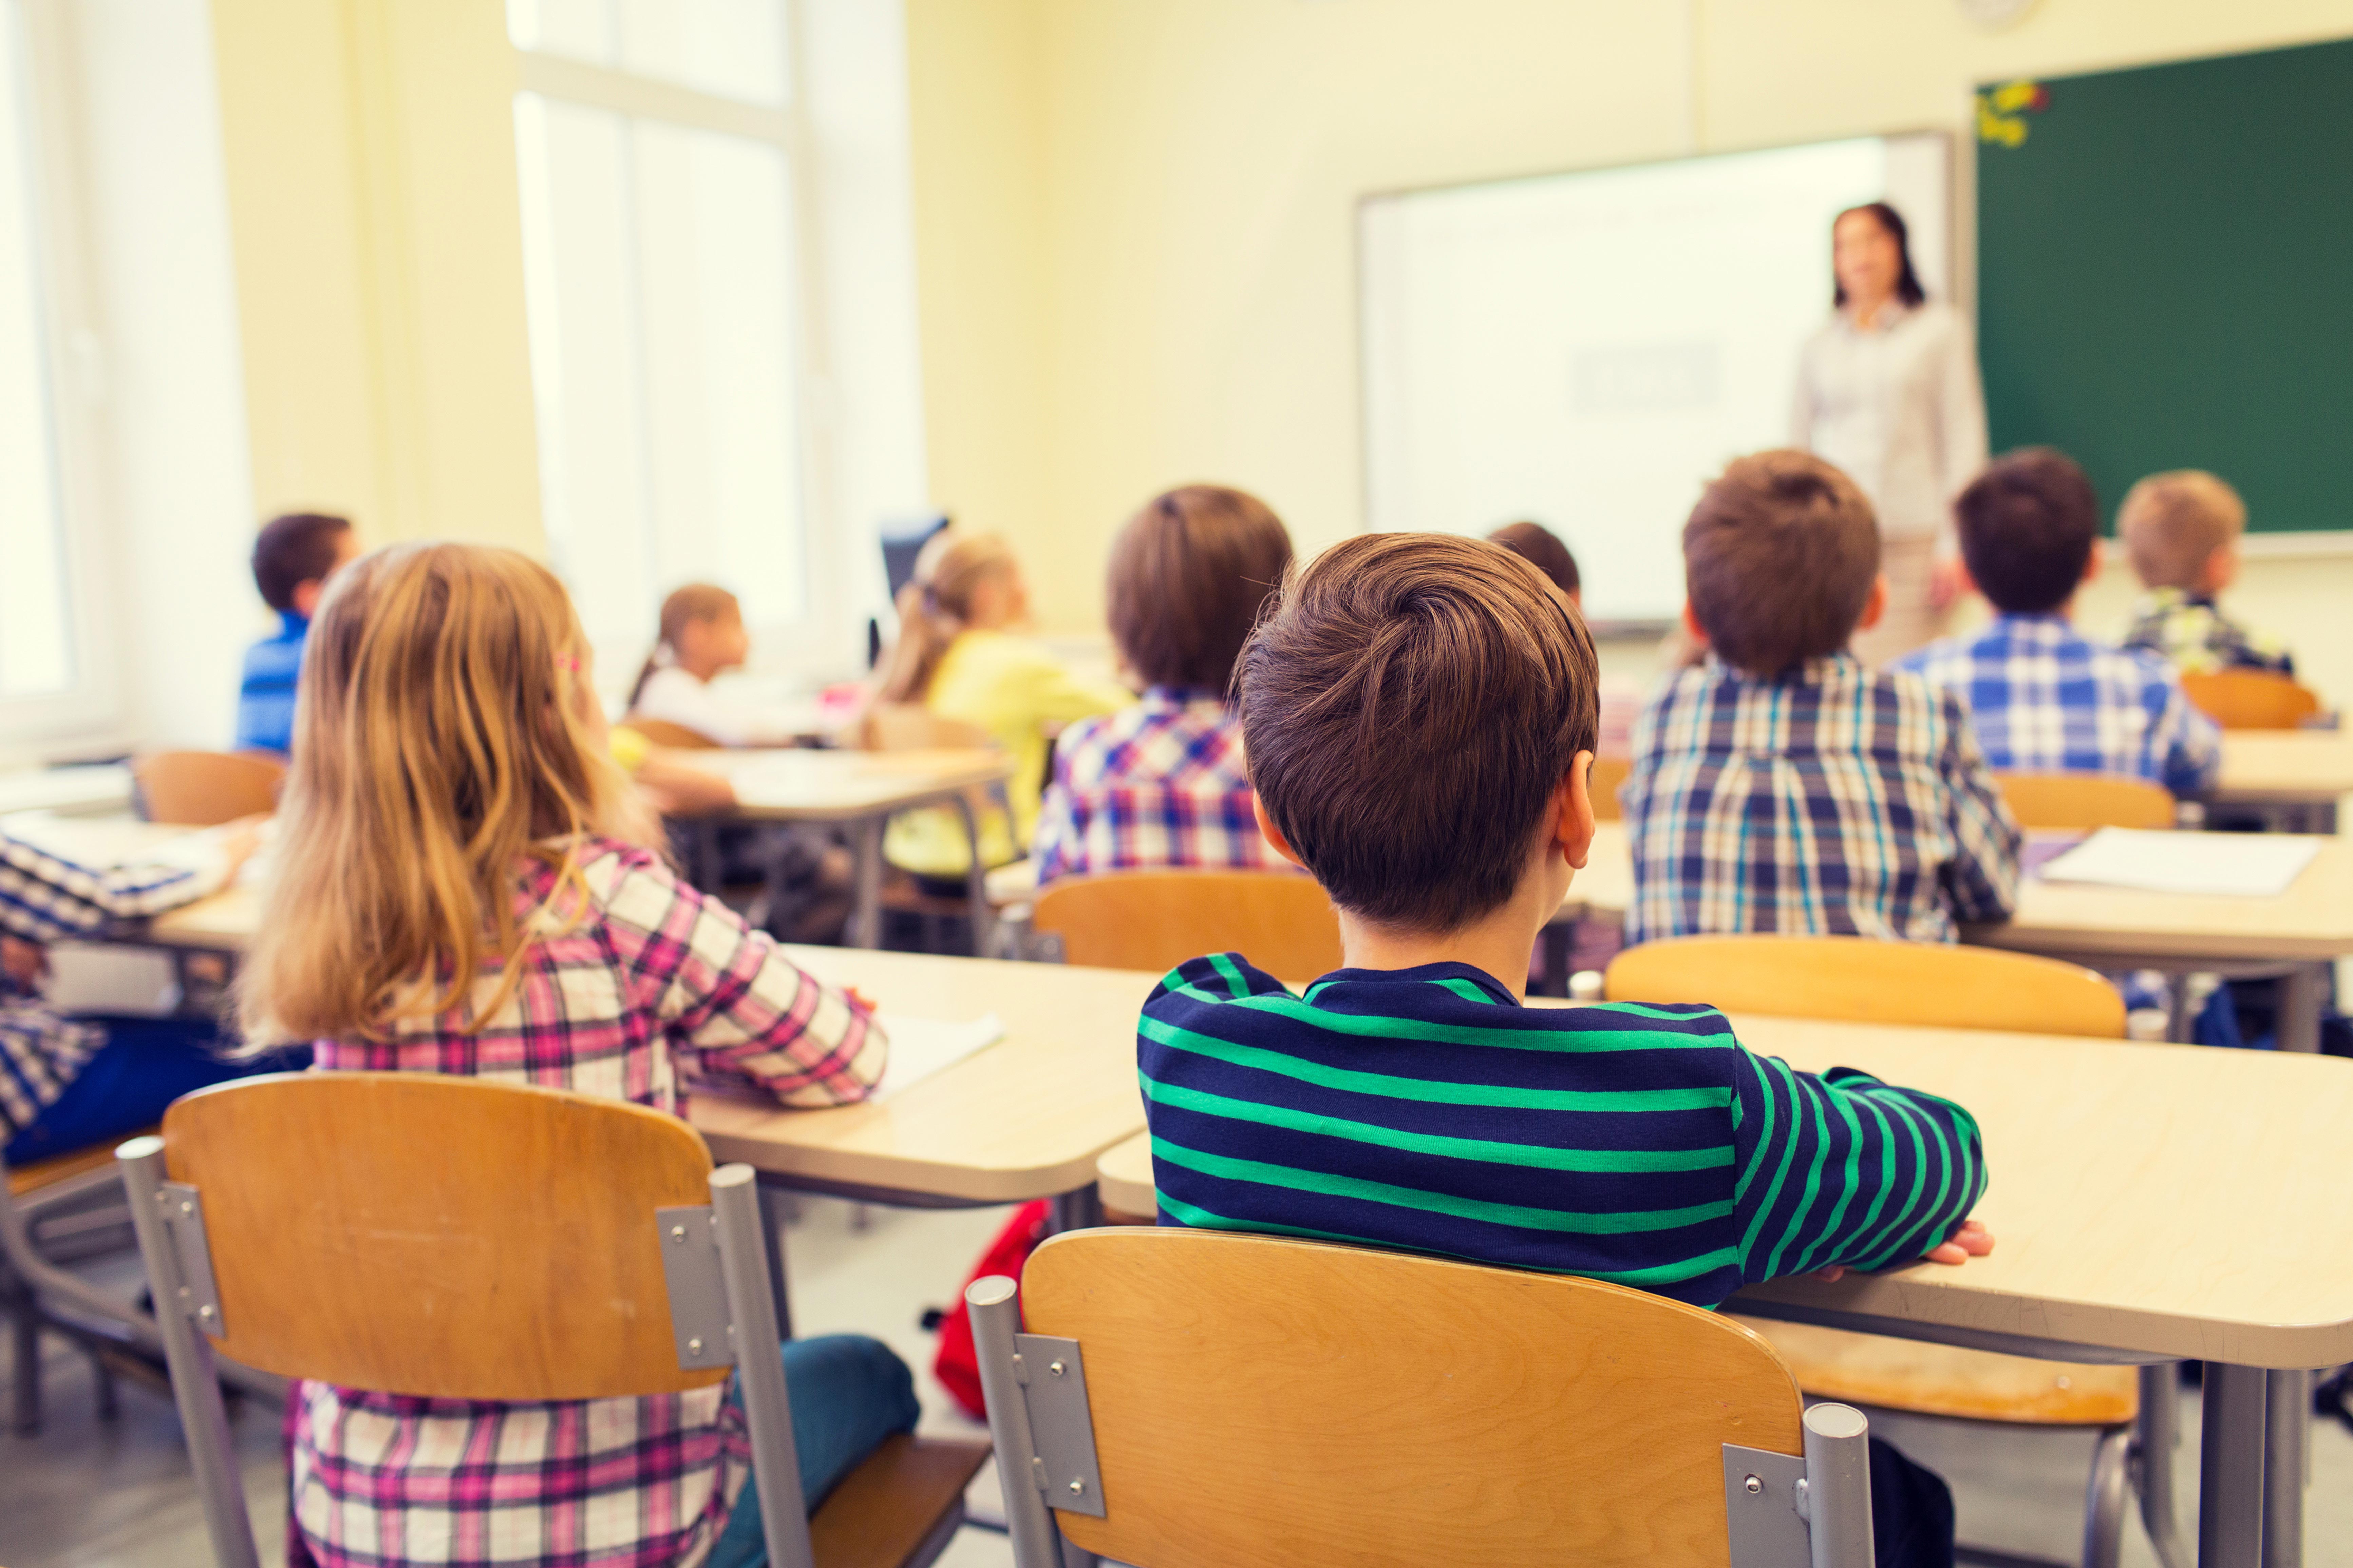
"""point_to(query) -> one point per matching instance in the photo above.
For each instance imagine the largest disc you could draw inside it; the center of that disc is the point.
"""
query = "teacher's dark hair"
(1907, 282)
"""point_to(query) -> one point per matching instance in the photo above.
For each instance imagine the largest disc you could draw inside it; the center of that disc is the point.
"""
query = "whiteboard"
(1587, 350)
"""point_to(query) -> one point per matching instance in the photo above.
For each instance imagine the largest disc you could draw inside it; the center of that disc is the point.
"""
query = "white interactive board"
(1587, 349)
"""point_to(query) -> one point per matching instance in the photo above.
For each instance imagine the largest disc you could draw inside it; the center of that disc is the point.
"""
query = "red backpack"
(957, 1366)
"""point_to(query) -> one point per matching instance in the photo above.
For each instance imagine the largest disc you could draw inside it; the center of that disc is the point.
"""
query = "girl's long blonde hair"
(936, 607)
(695, 602)
(446, 733)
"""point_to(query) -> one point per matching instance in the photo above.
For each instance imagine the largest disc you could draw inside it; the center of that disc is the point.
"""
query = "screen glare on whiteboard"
(1587, 350)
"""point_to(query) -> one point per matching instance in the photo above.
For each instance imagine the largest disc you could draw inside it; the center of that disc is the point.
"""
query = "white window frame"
(87, 718)
(824, 642)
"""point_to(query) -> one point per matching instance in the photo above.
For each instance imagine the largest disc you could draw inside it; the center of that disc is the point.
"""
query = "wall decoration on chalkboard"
(2002, 110)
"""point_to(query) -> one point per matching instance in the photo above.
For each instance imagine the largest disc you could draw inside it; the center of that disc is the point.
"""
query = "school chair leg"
(2103, 1498)
(2156, 1435)
(2289, 1418)
(24, 1333)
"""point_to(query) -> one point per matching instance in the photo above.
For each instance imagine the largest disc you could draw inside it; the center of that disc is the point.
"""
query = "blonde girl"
(465, 885)
(702, 635)
(959, 654)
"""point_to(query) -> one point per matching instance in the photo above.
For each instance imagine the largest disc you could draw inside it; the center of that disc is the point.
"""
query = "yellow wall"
(370, 154)
(1175, 184)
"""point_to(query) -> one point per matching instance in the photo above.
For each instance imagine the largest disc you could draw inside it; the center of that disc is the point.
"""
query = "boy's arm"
(2189, 745)
(1981, 880)
(44, 896)
(1841, 1168)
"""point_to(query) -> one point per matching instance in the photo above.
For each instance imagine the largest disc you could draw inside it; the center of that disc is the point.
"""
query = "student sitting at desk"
(2181, 530)
(1420, 713)
(2045, 698)
(464, 885)
(67, 1084)
(1162, 782)
(1779, 786)
(294, 560)
(701, 638)
(961, 654)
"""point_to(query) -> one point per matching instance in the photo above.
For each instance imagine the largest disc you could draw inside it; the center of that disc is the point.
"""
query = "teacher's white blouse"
(1900, 409)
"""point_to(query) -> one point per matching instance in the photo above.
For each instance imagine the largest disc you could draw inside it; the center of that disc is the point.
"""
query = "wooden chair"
(1609, 777)
(53, 1211)
(203, 789)
(2251, 698)
(1856, 978)
(1280, 921)
(911, 727)
(1189, 1398)
(459, 1240)
(677, 737)
(2086, 800)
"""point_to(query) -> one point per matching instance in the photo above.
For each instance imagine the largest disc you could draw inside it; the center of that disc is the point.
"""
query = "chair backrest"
(1609, 776)
(1924, 984)
(677, 737)
(2085, 800)
(1258, 1401)
(400, 1231)
(2251, 698)
(203, 789)
(911, 727)
(1280, 921)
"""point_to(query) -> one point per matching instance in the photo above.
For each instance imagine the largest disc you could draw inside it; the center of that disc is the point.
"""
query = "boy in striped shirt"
(1419, 716)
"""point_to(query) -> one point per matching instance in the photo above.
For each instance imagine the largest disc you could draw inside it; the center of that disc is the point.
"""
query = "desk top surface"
(2287, 767)
(102, 787)
(2313, 920)
(802, 785)
(2161, 1200)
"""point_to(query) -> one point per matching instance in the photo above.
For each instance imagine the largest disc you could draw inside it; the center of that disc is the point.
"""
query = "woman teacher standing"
(1888, 390)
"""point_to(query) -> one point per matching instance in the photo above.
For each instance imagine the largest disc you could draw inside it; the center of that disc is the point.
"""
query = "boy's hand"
(23, 962)
(1969, 1239)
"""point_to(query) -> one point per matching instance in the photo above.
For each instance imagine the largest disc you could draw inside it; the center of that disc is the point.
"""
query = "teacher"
(1888, 390)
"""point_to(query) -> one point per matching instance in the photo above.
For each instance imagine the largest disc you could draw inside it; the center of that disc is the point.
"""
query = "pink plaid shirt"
(657, 979)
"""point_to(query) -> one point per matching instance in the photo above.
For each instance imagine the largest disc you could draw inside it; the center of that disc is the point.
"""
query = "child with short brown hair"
(2181, 530)
(1779, 786)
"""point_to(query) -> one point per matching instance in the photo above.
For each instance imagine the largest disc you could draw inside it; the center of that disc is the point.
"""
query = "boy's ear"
(307, 595)
(1274, 834)
(2221, 569)
(2097, 560)
(1874, 606)
(1691, 628)
(1573, 812)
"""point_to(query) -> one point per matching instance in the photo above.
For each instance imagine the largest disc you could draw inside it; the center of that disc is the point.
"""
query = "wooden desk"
(2302, 930)
(862, 789)
(2300, 774)
(2152, 1203)
(77, 790)
(1024, 1119)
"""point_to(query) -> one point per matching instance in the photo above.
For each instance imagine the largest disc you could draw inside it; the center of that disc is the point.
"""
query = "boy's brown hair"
(2028, 524)
(1408, 709)
(295, 549)
(1780, 557)
(1189, 577)
(1540, 547)
(2172, 523)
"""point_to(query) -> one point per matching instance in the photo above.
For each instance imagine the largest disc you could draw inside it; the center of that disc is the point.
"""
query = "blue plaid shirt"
(265, 701)
(44, 897)
(1824, 801)
(1159, 785)
(2047, 700)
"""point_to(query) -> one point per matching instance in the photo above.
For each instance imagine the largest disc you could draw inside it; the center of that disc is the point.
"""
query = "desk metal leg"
(776, 1204)
(2301, 990)
(866, 913)
(1082, 1210)
(2230, 1467)
(2289, 1425)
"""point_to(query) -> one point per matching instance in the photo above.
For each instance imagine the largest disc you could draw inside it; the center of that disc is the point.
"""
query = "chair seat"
(896, 1503)
(32, 1178)
(1945, 1380)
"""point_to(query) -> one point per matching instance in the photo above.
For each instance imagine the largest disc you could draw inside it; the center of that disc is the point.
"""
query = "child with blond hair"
(465, 884)
(2181, 532)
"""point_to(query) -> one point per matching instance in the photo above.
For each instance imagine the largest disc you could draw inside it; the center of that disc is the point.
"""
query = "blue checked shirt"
(2047, 700)
(1824, 801)
(1159, 785)
(43, 897)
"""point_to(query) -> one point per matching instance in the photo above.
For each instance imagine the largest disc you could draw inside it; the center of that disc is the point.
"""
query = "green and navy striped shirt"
(1426, 1109)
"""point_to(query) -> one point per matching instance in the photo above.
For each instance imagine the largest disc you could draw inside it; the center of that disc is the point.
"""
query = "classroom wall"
(370, 149)
(1135, 220)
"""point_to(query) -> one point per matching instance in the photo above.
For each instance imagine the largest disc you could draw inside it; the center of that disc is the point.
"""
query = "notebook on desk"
(2232, 865)
(922, 1047)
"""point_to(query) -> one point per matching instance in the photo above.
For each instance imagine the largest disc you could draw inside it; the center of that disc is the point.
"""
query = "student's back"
(1779, 786)
(2045, 698)
(294, 558)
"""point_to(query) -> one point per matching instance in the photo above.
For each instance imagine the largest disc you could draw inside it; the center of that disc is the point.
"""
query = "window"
(657, 143)
(49, 663)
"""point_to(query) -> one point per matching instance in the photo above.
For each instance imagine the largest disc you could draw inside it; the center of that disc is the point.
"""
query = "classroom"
(1020, 784)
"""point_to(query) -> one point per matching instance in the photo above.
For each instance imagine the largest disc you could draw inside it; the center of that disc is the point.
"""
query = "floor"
(117, 1495)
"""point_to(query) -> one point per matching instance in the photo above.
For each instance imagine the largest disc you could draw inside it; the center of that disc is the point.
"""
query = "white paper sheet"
(2236, 864)
(102, 980)
(922, 1046)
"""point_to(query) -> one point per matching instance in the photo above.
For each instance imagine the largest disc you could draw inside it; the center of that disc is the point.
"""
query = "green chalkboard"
(2165, 275)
